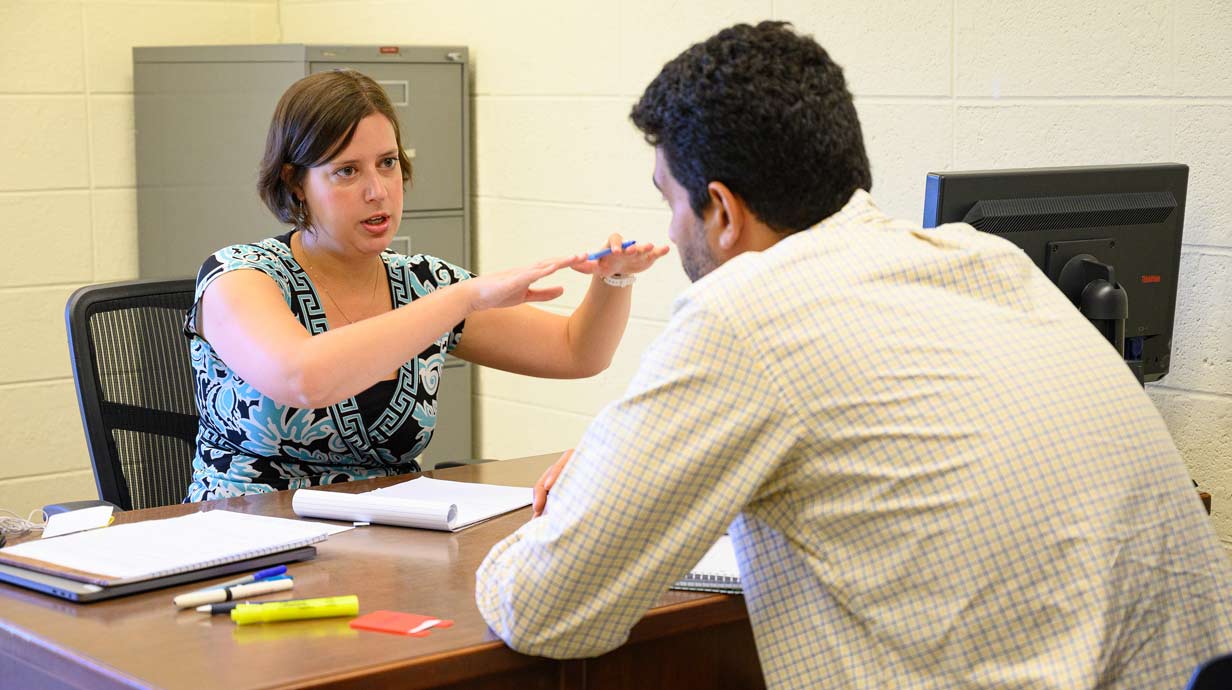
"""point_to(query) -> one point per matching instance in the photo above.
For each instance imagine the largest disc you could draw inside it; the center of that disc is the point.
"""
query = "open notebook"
(154, 549)
(423, 502)
(715, 572)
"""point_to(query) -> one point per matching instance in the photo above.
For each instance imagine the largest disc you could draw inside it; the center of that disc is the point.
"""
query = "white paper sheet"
(423, 502)
(717, 571)
(719, 561)
(148, 549)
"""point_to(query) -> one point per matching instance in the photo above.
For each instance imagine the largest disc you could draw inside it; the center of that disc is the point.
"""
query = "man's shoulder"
(727, 283)
(773, 269)
(744, 290)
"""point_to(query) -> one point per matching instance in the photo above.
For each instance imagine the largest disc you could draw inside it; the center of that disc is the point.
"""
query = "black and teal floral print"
(247, 443)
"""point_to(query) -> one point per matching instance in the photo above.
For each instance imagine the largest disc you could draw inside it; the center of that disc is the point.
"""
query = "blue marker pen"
(604, 252)
(267, 574)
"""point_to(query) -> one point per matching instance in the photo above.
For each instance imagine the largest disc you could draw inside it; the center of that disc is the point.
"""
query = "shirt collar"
(858, 209)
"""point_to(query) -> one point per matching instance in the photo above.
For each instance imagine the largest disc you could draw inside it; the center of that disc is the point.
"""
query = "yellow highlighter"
(325, 607)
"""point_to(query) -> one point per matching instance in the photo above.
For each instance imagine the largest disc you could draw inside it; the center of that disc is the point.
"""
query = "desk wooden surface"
(142, 641)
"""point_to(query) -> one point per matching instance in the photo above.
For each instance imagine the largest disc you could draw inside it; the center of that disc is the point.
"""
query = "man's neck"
(758, 236)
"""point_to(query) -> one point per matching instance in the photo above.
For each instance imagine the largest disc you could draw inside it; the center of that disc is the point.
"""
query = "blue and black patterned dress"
(248, 443)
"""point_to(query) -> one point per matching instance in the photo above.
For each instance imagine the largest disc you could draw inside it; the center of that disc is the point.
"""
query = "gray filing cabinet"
(202, 113)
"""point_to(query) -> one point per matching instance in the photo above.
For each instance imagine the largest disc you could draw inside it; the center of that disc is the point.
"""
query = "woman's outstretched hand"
(634, 259)
(513, 287)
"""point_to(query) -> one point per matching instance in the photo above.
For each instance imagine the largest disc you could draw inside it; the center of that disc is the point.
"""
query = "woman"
(318, 353)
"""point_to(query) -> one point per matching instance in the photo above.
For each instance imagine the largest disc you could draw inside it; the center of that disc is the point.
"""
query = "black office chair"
(1214, 674)
(135, 388)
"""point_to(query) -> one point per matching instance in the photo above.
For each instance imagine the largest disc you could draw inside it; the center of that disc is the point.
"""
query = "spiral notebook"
(152, 549)
(717, 571)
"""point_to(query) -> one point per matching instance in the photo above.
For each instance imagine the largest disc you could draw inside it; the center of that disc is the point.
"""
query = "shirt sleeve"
(233, 258)
(656, 479)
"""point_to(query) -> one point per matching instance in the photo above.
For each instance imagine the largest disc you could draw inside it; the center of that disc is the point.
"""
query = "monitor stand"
(1091, 285)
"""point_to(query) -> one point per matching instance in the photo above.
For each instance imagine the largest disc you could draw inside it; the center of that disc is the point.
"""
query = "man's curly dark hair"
(766, 112)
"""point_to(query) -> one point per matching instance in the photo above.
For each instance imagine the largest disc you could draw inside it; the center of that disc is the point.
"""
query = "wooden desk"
(689, 640)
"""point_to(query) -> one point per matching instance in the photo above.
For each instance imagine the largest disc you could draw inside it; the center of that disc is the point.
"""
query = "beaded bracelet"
(618, 280)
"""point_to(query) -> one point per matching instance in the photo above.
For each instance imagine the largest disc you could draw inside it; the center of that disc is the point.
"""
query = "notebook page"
(149, 549)
(719, 561)
(475, 502)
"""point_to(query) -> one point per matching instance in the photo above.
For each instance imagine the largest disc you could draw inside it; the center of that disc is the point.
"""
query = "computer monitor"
(1108, 236)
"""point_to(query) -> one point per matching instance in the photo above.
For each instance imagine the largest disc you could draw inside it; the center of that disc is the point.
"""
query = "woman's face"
(355, 198)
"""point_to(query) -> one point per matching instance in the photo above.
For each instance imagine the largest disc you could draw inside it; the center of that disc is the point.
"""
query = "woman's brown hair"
(314, 120)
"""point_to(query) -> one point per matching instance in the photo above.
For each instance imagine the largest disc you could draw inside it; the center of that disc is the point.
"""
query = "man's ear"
(728, 216)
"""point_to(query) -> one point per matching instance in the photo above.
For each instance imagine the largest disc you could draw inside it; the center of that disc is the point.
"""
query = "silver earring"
(299, 214)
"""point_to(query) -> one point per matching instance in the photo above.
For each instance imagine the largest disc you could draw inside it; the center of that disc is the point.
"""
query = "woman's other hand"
(513, 287)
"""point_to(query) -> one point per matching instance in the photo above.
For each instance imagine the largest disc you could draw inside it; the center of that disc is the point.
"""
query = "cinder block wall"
(68, 203)
(940, 84)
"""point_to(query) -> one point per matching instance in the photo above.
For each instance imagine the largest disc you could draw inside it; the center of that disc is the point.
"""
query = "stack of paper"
(155, 548)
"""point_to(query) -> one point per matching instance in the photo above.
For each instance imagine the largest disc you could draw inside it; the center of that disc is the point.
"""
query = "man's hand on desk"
(544, 485)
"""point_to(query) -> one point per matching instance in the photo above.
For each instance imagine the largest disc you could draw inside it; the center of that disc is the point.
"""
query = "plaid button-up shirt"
(937, 474)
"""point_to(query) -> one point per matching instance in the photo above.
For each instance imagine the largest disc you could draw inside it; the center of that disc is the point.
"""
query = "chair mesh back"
(145, 389)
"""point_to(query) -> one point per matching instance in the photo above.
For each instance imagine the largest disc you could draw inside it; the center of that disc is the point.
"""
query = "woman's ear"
(288, 178)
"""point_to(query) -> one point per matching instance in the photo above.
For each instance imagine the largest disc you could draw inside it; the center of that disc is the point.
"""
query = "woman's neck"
(347, 270)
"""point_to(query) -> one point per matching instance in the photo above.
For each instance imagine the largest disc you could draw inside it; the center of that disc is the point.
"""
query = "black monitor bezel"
(950, 195)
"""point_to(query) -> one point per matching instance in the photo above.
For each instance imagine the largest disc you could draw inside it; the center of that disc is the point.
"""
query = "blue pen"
(604, 252)
(267, 574)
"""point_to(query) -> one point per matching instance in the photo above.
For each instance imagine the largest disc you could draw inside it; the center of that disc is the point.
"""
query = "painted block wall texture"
(940, 84)
(68, 214)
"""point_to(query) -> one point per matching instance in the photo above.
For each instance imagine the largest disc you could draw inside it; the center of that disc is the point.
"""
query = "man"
(936, 473)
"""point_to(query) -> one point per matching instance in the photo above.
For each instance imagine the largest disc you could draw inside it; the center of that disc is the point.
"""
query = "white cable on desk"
(13, 524)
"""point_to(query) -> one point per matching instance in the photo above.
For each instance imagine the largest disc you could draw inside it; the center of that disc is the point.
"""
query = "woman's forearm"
(339, 363)
(532, 342)
(346, 361)
(595, 328)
